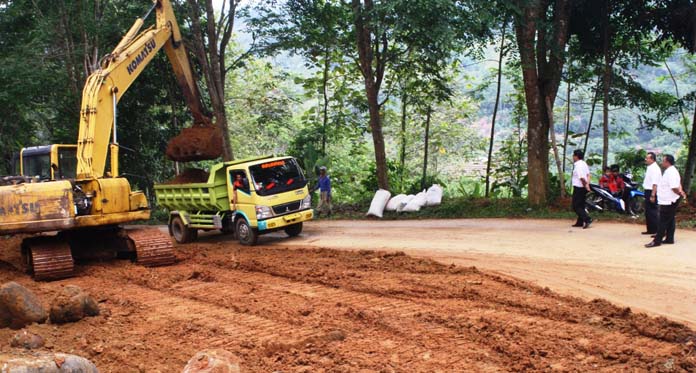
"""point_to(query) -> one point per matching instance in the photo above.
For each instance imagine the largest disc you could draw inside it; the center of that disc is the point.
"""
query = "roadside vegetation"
(446, 95)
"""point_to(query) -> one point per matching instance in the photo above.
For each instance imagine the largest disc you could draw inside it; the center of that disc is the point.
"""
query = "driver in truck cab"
(239, 182)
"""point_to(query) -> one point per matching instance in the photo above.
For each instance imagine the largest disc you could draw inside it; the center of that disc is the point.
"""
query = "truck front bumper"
(285, 220)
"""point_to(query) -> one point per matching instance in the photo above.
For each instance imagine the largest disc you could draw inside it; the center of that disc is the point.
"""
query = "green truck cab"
(246, 197)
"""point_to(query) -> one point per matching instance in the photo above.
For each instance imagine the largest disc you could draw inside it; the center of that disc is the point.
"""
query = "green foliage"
(510, 160)
(510, 171)
(632, 161)
(437, 55)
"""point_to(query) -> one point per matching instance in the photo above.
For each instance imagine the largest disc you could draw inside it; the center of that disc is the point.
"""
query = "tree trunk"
(373, 76)
(210, 46)
(606, 83)
(589, 124)
(325, 94)
(495, 108)
(691, 159)
(542, 61)
(552, 131)
(377, 136)
(427, 145)
(402, 153)
(685, 121)
(537, 128)
(567, 129)
(691, 156)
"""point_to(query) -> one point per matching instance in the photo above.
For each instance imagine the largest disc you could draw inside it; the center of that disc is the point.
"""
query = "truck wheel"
(180, 232)
(246, 234)
(293, 230)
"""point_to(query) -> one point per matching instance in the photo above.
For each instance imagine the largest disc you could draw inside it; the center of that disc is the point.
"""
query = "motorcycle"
(636, 197)
(600, 199)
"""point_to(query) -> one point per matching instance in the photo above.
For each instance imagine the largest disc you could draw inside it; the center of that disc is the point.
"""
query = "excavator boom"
(118, 70)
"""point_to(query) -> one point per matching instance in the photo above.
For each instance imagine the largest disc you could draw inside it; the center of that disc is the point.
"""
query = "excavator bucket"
(197, 143)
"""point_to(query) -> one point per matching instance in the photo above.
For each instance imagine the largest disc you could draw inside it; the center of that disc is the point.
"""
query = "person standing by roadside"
(652, 178)
(581, 185)
(324, 191)
(669, 190)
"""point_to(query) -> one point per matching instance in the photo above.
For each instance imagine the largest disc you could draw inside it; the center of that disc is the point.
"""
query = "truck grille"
(286, 208)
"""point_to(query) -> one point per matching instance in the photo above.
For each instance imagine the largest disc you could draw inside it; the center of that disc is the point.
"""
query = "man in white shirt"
(669, 190)
(653, 175)
(581, 185)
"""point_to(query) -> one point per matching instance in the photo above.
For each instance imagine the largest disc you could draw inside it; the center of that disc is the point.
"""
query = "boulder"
(45, 362)
(72, 304)
(19, 307)
(27, 340)
(213, 361)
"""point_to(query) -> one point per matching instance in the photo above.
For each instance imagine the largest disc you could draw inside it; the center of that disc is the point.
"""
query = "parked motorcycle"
(636, 197)
(600, 199)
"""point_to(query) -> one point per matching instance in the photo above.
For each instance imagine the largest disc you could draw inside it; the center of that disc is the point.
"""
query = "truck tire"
(180, 232)
(293, 230)
(246, 234)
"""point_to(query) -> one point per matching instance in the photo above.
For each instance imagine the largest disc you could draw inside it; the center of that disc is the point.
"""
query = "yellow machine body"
(67, 188)
(47, 201)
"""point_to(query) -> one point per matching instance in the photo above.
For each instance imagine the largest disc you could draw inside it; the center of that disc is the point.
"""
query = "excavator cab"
(48, 162)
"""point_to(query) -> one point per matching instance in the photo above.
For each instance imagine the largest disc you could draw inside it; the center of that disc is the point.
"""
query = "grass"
(471, 208)
(458, 208)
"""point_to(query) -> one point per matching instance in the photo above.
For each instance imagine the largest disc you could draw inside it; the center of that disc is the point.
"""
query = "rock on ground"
(72, 304)
(213, 361)
(45, 362)
(27, 340)
(19, 307)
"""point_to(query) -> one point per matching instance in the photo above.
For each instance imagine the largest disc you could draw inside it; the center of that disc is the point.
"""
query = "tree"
(501, 55)
(676, 20)
(315, 30)
(210, 47)
(428, 32)
(542, 34)
(613, 34)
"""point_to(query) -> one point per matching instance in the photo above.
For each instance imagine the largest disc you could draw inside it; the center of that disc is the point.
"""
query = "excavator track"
(153, 248)
(48, 258)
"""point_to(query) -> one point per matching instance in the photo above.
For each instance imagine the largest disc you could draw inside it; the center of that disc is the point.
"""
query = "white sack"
(394, 202)
(433, 195)
(416, 203)
(404, 202)
(379, 202)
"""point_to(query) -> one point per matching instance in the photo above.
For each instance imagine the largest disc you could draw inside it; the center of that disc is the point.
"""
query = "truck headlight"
(306, 202)
(263, 212)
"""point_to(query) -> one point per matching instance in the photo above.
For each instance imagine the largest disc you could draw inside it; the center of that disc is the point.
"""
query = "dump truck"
(246, 198)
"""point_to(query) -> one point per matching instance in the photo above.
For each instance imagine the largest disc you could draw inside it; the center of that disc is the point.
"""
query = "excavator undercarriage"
(53, 257)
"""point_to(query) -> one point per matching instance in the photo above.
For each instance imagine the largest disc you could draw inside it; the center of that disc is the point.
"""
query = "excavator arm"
(118, 70)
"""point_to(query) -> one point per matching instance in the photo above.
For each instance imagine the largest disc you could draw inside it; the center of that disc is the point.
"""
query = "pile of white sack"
(404, 203)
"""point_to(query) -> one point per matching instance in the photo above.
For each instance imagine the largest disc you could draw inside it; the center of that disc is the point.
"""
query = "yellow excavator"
(66, 188)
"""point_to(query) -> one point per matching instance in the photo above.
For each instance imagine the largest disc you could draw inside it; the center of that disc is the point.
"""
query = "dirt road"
(285, 307)
(607, 261)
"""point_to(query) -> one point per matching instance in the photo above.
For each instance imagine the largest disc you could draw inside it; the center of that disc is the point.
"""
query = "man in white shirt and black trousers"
(653, 175)
(669, 190)
(581, 185)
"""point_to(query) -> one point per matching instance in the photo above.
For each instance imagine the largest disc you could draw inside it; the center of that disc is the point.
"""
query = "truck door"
(239, 190)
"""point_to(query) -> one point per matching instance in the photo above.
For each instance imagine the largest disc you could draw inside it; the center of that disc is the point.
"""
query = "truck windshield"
(277, 176)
